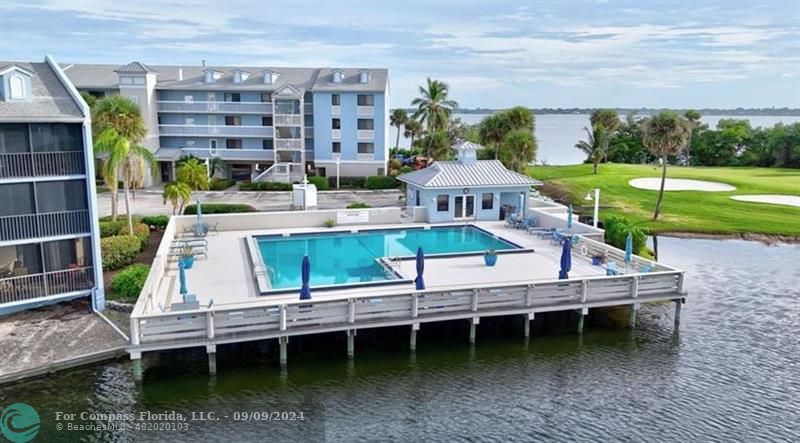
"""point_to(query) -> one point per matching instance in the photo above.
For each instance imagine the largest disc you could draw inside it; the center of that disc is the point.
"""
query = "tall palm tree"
(433, 107)
(518, 149)
(215, 165)
(413, 129)
(194, 173)
(492, 131)
(693, 117)
(594, 145)
(664, 134)
(122, 115)
(177, 193)
(398, 118)
(120, 155)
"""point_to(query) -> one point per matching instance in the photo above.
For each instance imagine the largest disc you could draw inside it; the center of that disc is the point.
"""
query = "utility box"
(304, 196)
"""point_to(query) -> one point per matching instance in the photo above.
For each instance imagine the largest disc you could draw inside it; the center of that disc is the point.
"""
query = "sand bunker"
(788, 200)
(680, 184)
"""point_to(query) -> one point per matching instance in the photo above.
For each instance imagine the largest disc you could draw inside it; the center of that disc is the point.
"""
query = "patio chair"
(611, 268)
(511, 220)
(526, 223)
(543, 233)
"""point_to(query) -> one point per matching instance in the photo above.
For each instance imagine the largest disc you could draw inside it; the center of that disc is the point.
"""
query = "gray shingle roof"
(134, 68)
(454, 174)
(103, 76)
(50, 100)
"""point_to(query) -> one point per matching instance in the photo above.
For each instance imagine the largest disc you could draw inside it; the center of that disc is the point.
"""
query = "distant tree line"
(643, 111)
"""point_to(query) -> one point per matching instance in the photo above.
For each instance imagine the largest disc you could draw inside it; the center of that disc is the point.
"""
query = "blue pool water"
(339, 258)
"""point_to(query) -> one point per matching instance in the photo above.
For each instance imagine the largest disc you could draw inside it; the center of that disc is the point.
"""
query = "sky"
(603, 53)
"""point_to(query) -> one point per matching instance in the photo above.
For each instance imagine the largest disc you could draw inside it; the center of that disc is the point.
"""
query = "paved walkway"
(55, 337)
(151, 202)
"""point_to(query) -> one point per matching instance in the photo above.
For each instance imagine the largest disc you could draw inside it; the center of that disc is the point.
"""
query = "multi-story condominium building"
(49, 242)
(263, 123)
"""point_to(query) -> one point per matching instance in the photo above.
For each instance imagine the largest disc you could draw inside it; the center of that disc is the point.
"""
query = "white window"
(138, 80)
(188, 98)
(363, 77)
(17, 86)
(189, 121)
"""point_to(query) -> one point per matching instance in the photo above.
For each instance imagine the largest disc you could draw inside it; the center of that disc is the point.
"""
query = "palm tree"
(412, 130)
(518, 149)
(433, 107)
(177, 193)
(398, 118)
(693, 117)
(492, 131)
(664, 134)
(122, 115)
(194, 173)
(215, 164)
(121, 155)
(594, 145)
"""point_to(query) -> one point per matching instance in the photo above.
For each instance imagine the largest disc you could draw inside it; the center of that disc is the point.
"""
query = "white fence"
(48, 224)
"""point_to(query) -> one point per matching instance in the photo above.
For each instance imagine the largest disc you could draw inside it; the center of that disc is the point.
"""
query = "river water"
(556, 134)
(729, 374)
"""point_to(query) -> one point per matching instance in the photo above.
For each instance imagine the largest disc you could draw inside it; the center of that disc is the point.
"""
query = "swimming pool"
(353, 258)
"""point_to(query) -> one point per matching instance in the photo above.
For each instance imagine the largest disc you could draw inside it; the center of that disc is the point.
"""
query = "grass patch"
(683, 211)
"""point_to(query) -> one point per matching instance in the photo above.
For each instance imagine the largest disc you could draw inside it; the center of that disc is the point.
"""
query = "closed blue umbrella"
(420, 269)
(199, 210)
(569, 217)
(566, 260)
(629, 248)
(305, 273)
(182, 278)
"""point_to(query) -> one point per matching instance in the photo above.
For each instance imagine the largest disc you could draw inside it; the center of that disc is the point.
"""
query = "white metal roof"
(454, 174)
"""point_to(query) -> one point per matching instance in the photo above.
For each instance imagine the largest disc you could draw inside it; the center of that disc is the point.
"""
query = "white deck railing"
(26, 287)
(287, 120)
(49, 224)
(41, 164)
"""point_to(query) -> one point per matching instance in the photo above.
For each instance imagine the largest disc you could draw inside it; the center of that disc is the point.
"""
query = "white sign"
(351, 217)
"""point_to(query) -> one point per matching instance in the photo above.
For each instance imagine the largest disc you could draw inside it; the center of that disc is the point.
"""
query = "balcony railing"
(365, 134)
(288, 143)
(26, 287)
(215, 131)
(308, 108)
(48, 224)
(288, 120)
(336, 110)
(215, 107)
(336, 134)
(42, 164)
(365, 111)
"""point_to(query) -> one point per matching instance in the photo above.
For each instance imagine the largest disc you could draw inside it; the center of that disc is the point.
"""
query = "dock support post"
(633, 311)
(678, 304)
(283, 341)
(414, 329)
(136, 358)
(351, 343)
(528, 318)
(581, 315)
(473, 327)
(212, 359)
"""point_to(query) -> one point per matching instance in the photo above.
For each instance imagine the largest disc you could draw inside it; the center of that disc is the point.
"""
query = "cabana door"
(464, 206)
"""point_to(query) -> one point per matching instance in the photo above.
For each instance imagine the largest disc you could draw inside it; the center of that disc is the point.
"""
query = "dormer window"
(210, 76)
(364, 77)
(270, 77)
(239, 76)
(16, 86)
(337, 76)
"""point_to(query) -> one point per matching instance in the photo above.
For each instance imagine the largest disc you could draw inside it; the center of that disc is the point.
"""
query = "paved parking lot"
(151, 202)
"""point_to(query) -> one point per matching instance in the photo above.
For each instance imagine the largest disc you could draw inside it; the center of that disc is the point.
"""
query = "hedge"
(220, 184)
(219, 208)
(617, 229)
(156, 221)
(119, 250)
(265, 186)
(120, 227)
(320, 182)
(128, 283)
(381, 182)
(142, 232)
(358, 205)
(347, 182)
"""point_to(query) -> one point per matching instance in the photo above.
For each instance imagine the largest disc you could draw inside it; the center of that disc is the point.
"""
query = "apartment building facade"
(49, 236)
(263, 123)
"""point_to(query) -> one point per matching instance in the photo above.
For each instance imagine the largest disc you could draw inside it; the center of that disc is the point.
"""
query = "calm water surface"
(556, 134)
(731, 374)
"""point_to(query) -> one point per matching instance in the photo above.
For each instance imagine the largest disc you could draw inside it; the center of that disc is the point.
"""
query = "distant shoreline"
(742, 112)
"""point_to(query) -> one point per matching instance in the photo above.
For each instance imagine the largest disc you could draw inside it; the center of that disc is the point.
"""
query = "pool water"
(340, 258)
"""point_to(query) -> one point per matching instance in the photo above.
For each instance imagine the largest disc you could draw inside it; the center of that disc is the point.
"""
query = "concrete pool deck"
(226, 274)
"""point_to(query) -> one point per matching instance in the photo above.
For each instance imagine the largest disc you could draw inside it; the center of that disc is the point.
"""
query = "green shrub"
(220, 184)
(109, 228)
(122, 217)
(219, 208)
(329, 223)
(156, 221)
(406, 169)
(617, 229)
(381, 182)
(141, 231)
(119, 250)
(358, 205)
(347, 182)
(128, 283)
(265, 186)
(320, 182)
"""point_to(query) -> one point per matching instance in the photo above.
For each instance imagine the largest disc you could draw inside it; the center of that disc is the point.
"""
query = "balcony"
(215, 107)
(215, 131)
(26, 287)
(257, 155)
(365, 134)
(48, 224)
(287, 120)
(308, 108)
(336, 134)
(289, 143)
(365, 111)
(336, 110)
(309, 132)
(42, 164)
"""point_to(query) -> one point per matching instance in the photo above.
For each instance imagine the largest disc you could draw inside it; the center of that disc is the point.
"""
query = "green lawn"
(683, 211)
